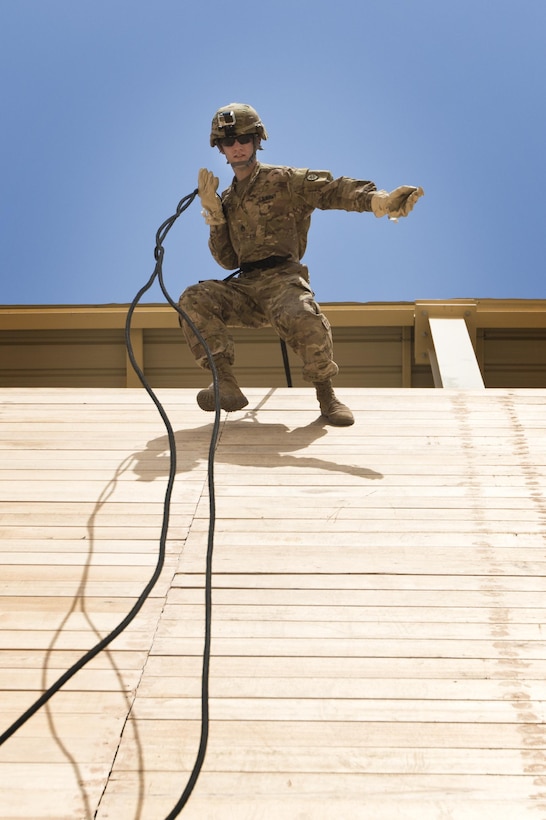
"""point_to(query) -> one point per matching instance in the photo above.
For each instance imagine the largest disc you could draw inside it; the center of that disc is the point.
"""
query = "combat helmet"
(234, 119)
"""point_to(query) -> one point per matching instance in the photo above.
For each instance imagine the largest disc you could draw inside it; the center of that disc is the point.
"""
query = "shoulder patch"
(318, 176)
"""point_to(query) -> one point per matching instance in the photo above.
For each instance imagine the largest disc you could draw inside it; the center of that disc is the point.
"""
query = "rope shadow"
(79, 605)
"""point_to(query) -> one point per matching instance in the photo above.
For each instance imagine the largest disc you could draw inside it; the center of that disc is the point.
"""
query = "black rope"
(200, 758)
(286, 363)
(102, 644)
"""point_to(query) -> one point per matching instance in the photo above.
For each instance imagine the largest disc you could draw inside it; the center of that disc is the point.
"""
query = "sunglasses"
(242, 139)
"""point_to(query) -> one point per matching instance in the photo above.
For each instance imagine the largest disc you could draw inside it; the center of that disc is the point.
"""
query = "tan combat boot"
(330, 407)
(231, 397)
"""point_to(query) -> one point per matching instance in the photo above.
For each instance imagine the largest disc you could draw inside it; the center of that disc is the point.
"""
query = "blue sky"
(106, 115)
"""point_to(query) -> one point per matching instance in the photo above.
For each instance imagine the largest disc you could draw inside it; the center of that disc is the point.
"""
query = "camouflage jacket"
(269, 214)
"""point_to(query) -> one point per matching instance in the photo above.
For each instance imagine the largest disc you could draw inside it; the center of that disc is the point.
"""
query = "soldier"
(259, 226)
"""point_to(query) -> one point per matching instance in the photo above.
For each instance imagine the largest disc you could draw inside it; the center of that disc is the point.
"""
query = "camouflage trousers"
(281, 299)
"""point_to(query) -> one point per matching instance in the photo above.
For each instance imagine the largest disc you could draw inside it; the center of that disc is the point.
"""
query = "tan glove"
(207, 185)
(398, 203)
(380, 203)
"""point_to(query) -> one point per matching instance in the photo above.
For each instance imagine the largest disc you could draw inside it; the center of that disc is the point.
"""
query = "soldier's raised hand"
(207, 185)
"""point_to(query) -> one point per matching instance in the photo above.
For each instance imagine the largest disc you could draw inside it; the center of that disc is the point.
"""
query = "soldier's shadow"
(244, 442)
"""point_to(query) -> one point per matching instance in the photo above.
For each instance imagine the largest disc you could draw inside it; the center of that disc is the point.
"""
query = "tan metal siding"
(376, 345)
(515, 357)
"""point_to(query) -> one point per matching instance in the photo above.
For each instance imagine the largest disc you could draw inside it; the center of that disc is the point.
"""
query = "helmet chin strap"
(245, 163)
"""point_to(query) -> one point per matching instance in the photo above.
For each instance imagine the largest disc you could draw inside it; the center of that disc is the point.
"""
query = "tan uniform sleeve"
(320, 190)
(221, 248)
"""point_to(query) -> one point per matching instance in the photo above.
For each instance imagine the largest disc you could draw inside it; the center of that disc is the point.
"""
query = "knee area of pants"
(189, 293)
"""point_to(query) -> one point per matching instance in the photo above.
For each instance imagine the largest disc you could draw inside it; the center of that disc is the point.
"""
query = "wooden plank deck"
(378, 606)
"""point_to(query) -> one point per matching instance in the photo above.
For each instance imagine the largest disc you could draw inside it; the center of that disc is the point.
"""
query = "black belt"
(259, 264)
(263, 264)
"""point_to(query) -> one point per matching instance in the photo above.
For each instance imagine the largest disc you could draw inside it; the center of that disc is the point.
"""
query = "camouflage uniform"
(268, 217)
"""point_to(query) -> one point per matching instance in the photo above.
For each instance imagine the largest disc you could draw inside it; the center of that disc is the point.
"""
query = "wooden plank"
(62, 659)
(303, 483)
(491, 466)
(350, 628)
(114, 587)
(114, 512)
(356, 494)
(403, 785)
(205, 804)
(85, 680)
(70, 639)
(367, 583)
(377, 605)
(305, 687)
(488, 604)
(295, 613)
(265, 666)
(339, 647)
(48, 613)
(74, 703)
(321, 759)
(87, 491)
(60, 573)
(32, 547)
(165, 740)
(106, 557)
(357, 559)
